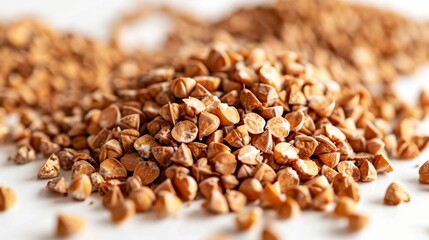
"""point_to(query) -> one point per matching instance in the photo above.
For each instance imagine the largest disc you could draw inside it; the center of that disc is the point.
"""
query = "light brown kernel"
(247, 219)
(287, 177)
(57, 185)
(228, 115)
(68, 225)
(143, 198)
(236, 200)
(80, 187)
(186, 187)
(252, 188)
(357, 222)
(301, 194)
(424, 173)
(50, 168)
(350, 169)
(367, 171)
(285, 153)
(345, 207)
(289, 209)
(167, 204)
(148, 171)
(254, 123)
(112, 169)
(184, 131)
(208, 123)
(216, 203)
(122, 211)
(182, 87)
(306, 169)
(7, 198)
(395, 194)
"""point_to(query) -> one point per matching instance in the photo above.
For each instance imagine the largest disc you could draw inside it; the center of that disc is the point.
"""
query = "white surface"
(33, 217)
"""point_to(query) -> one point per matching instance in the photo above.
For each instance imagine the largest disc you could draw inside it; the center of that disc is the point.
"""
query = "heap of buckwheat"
(239, 122)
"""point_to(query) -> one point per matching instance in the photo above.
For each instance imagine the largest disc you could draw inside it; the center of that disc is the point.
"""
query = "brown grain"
(7, 198)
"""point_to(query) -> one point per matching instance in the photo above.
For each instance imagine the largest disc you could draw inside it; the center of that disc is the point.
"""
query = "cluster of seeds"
(247, 131)
(352, 44)
(50, 70)
(365, 44)
(232, 124)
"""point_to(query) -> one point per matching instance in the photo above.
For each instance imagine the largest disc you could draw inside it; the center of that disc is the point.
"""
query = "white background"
(33, 217)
